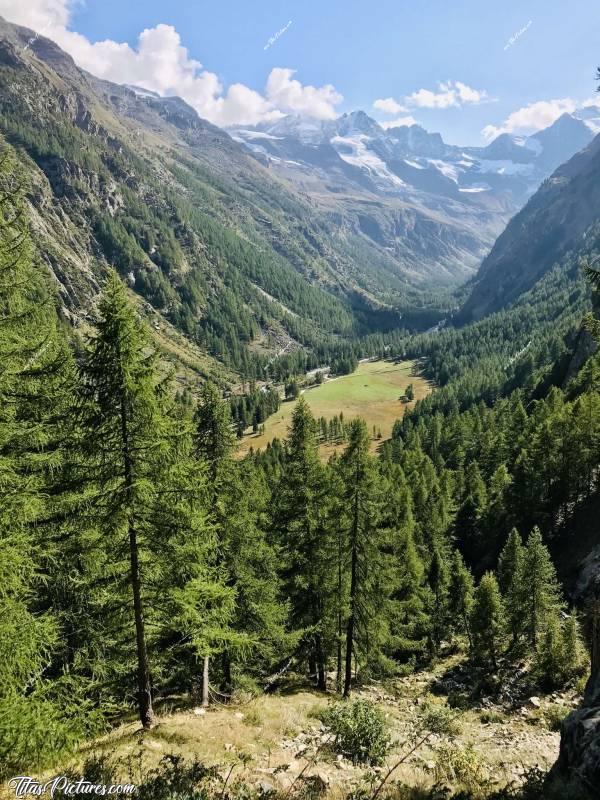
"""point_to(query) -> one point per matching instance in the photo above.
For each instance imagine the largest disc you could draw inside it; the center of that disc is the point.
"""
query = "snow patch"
(354, 150)
(448, 170)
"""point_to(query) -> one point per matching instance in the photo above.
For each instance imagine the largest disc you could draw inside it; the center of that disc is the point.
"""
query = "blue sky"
(530, 59)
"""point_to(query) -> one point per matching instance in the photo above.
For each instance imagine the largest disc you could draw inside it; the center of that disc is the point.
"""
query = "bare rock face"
(579, 757)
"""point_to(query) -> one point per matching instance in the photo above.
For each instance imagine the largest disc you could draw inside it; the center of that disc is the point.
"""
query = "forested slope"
(210, 238)
(553, 222)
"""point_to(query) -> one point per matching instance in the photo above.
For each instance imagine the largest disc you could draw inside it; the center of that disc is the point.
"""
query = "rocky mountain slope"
(554, 221)
(433, 206)
(213, 241)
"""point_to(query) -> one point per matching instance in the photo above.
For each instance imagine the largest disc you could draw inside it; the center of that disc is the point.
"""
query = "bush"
(361, 730)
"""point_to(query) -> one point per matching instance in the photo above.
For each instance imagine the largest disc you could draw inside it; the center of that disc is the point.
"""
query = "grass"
(372, 392)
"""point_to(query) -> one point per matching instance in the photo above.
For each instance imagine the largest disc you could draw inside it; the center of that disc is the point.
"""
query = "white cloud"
(288, 94)
(389, 105)
(399, 122)
(449, 94)
(533, 117)
(161, 63)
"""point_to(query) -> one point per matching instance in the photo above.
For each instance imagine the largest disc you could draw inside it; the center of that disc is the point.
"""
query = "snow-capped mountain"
(400, 161)
(433, 207)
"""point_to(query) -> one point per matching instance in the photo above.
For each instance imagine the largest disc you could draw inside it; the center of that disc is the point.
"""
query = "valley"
(373, 392)
(299, 426)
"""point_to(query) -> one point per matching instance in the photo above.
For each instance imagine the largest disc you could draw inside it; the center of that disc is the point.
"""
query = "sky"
(469, 69)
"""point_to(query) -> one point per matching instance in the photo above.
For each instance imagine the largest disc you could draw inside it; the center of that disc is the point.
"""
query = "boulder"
(580, 746)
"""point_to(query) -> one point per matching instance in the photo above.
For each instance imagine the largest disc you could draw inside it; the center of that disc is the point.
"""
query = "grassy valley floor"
(372, 392)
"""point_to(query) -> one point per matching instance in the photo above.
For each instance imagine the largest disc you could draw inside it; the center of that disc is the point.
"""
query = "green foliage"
(360, 730)
(487, 620)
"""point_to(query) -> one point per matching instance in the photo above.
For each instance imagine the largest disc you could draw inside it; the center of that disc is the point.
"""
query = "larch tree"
(487, 621)
(461, 588)
(541, 591)
(36, 375)
(363, 510)
(300, 525)
(127, 441)
(512, 582)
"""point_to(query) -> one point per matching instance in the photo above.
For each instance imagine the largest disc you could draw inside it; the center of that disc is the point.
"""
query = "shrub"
(361, 730)
(489, 716)
(253, 718)
(554, 715)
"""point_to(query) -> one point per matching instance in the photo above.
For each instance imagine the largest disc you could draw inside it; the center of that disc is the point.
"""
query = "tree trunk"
(338, 677)
(143, 669)
(350, 628)
(321, 674)
(353, 593)
(144, 684)
(204, 699)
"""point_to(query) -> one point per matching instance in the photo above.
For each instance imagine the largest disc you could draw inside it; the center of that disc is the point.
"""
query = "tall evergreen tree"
(438, 580)
(513, 583)
(363, 504)
(460, 596)
(541, 596)
(300, 523)
(214, 443)
(35, 393)
(128, 439)
(487, 620)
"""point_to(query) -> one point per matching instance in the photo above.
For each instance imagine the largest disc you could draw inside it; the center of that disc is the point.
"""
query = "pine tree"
(487, 622)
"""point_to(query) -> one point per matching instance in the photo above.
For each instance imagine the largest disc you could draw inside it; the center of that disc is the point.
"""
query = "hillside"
(554, 221)
(234, 257)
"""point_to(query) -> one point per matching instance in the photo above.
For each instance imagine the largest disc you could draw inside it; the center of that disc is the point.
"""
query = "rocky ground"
(271, 740)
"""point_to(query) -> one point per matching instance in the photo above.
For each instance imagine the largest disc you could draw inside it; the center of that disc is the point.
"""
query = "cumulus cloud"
(288, 94)
(399, 122)
(389, 105)
(533, 117)
(450, 94)
(160, 62)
